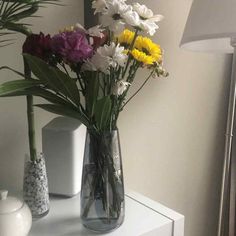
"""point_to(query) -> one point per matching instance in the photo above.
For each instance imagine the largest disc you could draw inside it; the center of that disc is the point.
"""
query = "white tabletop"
(142, 217)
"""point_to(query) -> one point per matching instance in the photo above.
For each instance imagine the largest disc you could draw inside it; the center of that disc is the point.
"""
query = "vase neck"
(102, 133)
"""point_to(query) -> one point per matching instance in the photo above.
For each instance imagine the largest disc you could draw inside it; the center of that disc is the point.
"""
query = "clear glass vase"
(102, 190)
(35, 186)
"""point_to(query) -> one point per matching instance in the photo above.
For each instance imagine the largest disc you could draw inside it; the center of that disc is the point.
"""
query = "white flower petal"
(97, 63)
(143, 11)
(148, 19)
(156, 18)
(112, 17)
(99, 6)
(119, 56)
(149, 27)
(120, 87)
(95, 31)
(132, 18)
(78, 26)
(115, 53)
(116, 26)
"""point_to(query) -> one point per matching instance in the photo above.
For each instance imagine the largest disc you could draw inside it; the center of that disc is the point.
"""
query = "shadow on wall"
(13, 144)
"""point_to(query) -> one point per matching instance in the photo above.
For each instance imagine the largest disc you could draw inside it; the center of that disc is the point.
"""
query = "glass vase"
(35, 186)
(102, 190)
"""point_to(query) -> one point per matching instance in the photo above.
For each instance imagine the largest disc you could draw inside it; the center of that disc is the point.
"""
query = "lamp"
(211, 27)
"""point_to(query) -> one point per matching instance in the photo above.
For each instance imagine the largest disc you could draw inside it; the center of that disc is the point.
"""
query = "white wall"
(172, 134)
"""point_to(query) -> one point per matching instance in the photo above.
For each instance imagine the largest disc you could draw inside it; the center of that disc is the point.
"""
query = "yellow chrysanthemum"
(148, 47)
(142, 57)
(126, 38)
(67, 29)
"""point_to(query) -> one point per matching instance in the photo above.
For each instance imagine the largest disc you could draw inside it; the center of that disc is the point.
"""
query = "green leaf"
(14, 94)
(17, 86)
(92, 94)
(15, 71)
(49, 96)
(67, 84)
(12, 11)
(64, 111)
(17, 27)
(40, 92)
(57, 80)
(102, 112)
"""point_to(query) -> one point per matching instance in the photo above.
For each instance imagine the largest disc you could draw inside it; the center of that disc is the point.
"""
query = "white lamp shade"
(210, 26)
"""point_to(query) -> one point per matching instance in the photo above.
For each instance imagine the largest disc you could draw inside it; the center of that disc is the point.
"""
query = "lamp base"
(224, 213)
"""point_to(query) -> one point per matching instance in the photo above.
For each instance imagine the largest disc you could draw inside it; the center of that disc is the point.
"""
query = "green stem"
(132, 71)
(30, 116)
(129, 57)
(137, 91)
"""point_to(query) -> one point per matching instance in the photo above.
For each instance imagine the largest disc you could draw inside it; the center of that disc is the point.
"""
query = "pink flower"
(72, 46)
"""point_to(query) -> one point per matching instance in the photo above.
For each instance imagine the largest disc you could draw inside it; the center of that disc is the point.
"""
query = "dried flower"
(120, 87)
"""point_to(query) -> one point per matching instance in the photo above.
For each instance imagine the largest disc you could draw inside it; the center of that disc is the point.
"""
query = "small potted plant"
(12, 14)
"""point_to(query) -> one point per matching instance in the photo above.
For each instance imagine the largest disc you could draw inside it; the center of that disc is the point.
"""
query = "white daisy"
(115, 53)
(120, 87)
(116, 26)
(131, 17)
(146, 13)
(148, 21)
(112, 17)
(148, 26)
(99, 6)
(106, 56)
(97, 63)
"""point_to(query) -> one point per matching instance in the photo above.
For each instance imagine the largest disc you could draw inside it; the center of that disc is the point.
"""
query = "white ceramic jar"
(15, 216)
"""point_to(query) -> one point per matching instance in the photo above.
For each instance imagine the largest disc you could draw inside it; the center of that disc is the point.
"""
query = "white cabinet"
(143, 217)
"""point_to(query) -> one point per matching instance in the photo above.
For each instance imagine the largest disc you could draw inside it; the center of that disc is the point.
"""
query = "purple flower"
(72, 46)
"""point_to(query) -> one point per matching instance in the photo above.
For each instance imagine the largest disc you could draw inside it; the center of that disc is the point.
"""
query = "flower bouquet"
(86, 74)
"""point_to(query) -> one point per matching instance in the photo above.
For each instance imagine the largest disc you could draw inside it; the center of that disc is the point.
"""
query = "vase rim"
(104, 131)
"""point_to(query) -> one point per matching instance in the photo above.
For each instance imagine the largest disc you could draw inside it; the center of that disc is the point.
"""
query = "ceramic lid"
(8, 204)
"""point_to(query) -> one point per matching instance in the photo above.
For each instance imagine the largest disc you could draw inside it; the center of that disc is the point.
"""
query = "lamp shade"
(210, 26)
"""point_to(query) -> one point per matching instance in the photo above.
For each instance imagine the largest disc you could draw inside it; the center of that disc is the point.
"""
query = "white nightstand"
(144, 217)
